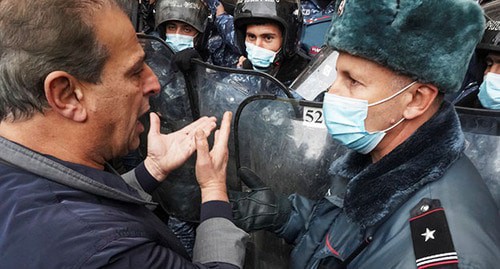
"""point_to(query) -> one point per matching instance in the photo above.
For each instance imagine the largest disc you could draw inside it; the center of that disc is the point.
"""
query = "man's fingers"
(220, 143)
(202, 150)
(203, 121)
(208, 126)
(154, 120)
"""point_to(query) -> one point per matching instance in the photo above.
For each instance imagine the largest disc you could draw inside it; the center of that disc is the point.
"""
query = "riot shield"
(179, 196)
(482, 134)
(218, 89)
(173, 103)
(287, 144)
(206, 90)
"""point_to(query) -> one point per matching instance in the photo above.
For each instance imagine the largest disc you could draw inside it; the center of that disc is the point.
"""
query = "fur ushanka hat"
(431, 41)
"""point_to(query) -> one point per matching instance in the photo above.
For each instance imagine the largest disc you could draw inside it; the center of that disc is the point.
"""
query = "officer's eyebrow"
(269, 34)
(494, 57)
(352, 75)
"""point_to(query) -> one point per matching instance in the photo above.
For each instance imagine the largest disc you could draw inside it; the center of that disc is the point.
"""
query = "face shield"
(318, 76)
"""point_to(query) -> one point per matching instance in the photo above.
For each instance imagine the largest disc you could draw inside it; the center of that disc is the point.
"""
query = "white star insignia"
(428, 234)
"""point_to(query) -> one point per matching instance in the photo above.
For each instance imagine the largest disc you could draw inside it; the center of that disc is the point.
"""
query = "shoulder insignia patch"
(432, 242)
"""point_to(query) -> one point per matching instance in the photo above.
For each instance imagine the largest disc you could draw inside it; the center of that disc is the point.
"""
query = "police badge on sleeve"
(432, 242)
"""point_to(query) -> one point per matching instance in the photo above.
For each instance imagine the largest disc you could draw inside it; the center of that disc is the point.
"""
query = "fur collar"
(376, 190)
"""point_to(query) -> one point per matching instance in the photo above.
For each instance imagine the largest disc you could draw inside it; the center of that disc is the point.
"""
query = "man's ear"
(420, 100)
(64, 97)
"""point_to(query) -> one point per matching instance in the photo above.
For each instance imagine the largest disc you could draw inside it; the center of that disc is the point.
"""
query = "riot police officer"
(485, 91)
(182, 23)
(268, 35)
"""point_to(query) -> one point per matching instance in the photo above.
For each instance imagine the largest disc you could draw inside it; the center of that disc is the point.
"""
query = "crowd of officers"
(269, 36)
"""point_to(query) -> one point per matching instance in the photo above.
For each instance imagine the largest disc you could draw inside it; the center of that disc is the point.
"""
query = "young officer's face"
(267, 36)
(180, 28)
(492, 63)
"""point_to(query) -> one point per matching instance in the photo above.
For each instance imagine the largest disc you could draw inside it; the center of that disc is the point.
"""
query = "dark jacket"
(364, 220)
(56, 214)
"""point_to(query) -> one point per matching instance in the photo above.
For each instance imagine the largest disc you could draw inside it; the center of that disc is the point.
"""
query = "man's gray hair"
(38, 37)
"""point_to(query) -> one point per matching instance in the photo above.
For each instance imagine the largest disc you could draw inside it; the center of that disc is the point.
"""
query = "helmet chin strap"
(279, 55)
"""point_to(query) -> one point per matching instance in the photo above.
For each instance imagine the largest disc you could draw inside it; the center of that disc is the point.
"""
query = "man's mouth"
(144, 116)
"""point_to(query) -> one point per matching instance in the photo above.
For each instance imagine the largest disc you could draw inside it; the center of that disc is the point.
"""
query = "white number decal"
(313, 117)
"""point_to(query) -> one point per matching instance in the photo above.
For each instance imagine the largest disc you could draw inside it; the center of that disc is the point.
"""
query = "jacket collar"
(76, 176)
(376, 190)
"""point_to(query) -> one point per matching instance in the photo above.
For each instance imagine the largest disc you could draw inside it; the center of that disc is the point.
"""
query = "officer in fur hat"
(405, 196)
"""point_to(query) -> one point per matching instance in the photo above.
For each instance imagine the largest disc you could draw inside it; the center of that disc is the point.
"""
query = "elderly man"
(73, 85)
(405, 196)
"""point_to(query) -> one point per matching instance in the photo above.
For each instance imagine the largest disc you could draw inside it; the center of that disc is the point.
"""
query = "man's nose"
(259, 42)
(151, 85)
(334, 87)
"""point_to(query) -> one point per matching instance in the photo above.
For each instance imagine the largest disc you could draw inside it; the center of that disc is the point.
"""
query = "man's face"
(363, 79)
(115, 104)
(267, 36)
(492, 63)
(181, 28)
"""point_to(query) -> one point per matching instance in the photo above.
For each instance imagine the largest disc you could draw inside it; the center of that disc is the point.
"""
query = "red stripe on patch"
(330, 246)
(427, 213)
(437, 263)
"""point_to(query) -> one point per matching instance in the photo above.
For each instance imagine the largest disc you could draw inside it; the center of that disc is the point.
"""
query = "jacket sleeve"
(302, 209)
(152, 255)
(140, 179)
(219, 244)
(225, 28)
(219, 240)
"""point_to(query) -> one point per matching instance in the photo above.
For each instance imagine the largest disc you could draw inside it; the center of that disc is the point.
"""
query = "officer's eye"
(171, 27)
(353, 82)
(250, 37)
(269, 38)
(489, 62)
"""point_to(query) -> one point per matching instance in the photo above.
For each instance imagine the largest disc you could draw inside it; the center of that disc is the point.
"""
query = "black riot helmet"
(491, 37)
(192, 12)
(286, 13)
(228, 5)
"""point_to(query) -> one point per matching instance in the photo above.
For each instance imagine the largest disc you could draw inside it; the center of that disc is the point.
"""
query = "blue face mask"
(179, 42)
(259, 57)
(345, 121)
(489, 91)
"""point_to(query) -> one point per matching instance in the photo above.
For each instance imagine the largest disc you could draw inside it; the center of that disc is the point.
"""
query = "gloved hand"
(260, 208)
(182, 59)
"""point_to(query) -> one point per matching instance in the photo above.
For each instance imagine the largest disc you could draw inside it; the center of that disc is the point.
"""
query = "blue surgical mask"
(259, 57)
(345, 121)
(489, 91)
(179, 42)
